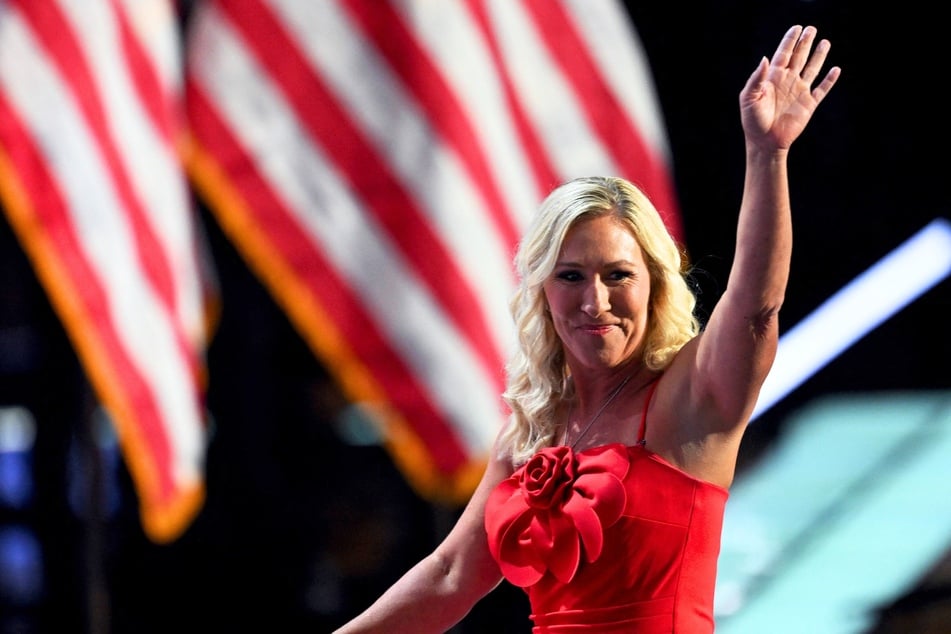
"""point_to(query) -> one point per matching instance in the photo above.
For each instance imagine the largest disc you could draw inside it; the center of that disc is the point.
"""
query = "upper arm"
(464, 553)
(731, 360)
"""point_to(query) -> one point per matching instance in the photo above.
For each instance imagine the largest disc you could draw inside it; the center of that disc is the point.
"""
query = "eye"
(621, 275)
(568, 275)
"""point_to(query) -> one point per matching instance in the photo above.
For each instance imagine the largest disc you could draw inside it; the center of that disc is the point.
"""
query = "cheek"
(555, 300)
(557, 319)
(558, 311)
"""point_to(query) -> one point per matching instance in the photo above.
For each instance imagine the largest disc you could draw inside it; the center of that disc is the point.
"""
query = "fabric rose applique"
(555, 508)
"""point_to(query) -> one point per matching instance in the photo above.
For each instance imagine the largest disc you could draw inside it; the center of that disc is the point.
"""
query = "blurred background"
(839, 521)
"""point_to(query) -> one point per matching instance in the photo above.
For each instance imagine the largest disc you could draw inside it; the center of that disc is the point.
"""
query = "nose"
(595, 300)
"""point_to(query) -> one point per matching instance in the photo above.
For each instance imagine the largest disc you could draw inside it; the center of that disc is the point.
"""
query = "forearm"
(428, 598)
(761, 263)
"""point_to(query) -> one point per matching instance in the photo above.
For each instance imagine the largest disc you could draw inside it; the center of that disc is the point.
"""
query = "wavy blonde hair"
(537, 372)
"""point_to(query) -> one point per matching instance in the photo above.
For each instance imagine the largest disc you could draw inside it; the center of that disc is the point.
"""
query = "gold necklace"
(597, 415)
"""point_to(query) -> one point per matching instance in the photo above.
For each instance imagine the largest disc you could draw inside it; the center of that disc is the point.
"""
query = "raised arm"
(725, 367)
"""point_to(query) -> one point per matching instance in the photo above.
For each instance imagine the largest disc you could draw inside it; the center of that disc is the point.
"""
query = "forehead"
(606, 235)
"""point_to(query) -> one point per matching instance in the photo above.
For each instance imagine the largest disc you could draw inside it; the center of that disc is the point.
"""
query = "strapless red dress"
(609, 539)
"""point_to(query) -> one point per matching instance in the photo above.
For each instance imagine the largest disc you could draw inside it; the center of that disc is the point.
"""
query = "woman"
(604, 495)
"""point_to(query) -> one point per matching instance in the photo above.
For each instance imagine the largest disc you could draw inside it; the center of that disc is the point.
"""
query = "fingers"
(820, 91)
(795, 54)
(801, 49)
(815, 62)
(787, 45)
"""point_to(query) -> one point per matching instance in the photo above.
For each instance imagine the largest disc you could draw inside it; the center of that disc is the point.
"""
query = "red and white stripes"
(375, 162)
(91, 180)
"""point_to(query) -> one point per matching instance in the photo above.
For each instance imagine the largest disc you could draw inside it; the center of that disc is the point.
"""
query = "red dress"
(609, 539)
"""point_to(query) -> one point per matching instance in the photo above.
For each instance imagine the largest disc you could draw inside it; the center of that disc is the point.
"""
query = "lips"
(596, 329)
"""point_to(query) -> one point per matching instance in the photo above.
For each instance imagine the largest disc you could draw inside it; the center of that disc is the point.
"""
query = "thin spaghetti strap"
(642, 433)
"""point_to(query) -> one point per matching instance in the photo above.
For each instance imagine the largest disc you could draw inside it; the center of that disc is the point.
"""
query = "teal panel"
(848, 509)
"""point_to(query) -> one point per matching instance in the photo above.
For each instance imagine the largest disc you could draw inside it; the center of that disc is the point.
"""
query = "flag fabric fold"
(91, 180)
(375, 161)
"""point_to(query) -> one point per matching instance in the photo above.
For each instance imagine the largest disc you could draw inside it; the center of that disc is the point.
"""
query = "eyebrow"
(615, 263)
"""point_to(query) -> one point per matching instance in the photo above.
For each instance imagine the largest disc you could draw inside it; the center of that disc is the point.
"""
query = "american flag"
(375, 162)
(92, 182)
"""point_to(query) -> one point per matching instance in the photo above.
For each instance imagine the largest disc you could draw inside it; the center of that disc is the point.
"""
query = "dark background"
(301, 530)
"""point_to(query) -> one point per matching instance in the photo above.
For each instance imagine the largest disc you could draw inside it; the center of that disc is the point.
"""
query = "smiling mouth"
(596, 329)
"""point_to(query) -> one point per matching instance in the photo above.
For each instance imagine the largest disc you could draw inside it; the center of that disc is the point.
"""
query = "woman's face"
(599, 294)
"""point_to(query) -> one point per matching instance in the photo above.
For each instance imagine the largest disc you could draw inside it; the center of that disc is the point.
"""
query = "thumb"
(755, 82)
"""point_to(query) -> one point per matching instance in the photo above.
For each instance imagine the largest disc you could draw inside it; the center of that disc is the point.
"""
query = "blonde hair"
(536, 372)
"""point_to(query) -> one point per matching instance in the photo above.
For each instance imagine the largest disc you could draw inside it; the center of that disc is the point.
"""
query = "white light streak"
(891, 284)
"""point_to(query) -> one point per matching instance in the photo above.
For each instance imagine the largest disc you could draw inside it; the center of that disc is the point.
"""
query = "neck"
(604, 405)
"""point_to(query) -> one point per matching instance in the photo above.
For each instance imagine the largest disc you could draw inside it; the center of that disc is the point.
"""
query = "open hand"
(778, 99)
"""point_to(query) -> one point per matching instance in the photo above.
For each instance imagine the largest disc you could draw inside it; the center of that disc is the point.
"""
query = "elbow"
(461, 585)
(446, 576)
(764, 324)
(764, 338)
